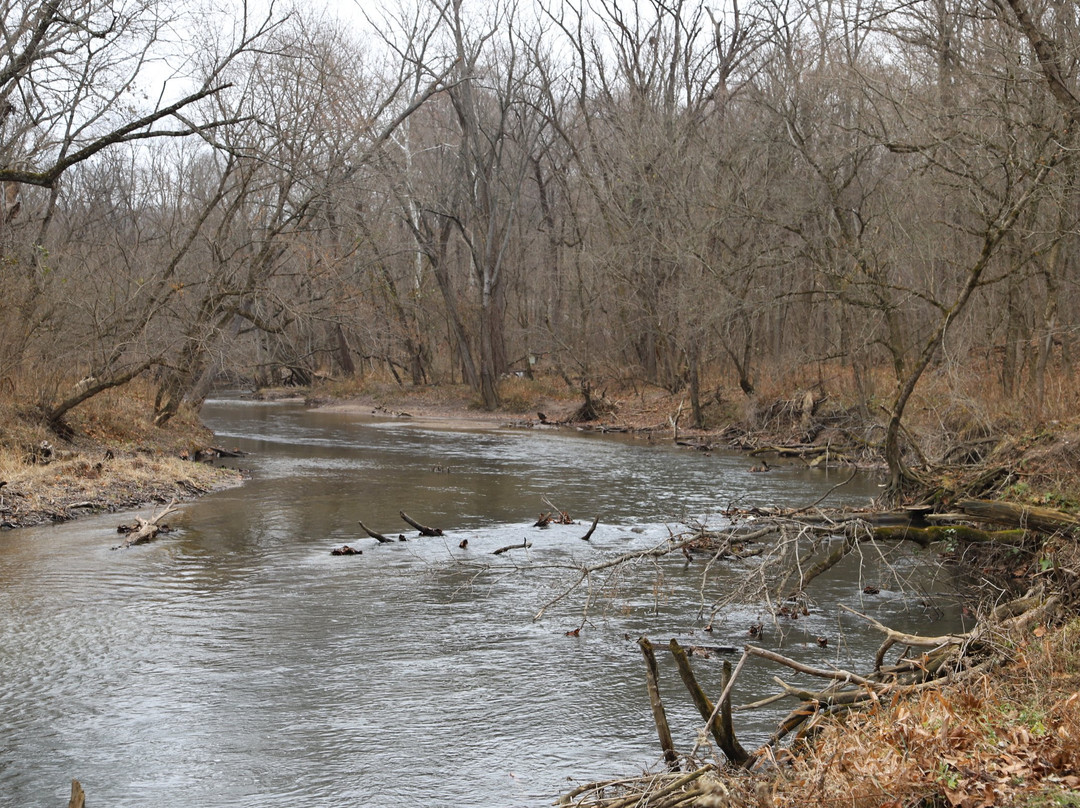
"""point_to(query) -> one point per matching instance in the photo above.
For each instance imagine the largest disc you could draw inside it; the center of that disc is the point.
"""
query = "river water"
(235, 662)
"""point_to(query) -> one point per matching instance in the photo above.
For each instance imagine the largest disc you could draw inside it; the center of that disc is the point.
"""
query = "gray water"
(235, 662)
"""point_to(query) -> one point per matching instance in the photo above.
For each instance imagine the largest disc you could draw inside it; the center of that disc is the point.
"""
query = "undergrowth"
(1010, 738)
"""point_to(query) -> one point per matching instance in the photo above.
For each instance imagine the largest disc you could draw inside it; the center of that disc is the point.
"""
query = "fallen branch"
(424, 530)
(523, 546)
(838, 675)
(914, 640)
(379, 537)
(588, 535)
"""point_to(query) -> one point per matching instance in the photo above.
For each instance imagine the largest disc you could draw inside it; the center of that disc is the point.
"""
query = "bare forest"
(677, 194)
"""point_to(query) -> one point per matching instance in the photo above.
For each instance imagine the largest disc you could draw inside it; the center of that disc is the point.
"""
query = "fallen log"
(379, 537)
(146, 529)
(925, 536)
(424, 530)
(544, 520)
(1045, 520)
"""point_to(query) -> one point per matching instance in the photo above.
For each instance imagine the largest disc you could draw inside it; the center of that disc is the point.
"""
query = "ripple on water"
(236, 663)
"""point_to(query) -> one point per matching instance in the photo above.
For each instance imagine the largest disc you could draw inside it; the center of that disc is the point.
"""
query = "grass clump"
(110, 457)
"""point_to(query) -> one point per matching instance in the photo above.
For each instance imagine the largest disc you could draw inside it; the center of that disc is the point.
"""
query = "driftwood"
(379, 537)
(424, 530)
(145, 530)
(523, 546)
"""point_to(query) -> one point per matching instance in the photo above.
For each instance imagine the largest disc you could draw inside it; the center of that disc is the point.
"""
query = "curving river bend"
(236, 663)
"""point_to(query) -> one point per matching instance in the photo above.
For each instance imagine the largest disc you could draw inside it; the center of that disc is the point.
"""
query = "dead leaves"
(978, 746)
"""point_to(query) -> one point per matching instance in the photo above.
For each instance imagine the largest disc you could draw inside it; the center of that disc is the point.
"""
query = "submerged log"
(424, 530)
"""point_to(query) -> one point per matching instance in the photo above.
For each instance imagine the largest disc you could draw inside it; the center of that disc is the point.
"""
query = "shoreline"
(421, 416)
(69, 489)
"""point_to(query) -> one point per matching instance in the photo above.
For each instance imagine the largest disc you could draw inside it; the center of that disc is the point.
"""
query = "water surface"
(235, 662)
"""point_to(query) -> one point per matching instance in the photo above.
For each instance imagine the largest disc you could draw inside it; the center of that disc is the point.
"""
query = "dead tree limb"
(659, 714)
(731, 748)
(838, 675)
(588, 534)
(424, 531)
(523, 546)
(379, 537)
(914, 640)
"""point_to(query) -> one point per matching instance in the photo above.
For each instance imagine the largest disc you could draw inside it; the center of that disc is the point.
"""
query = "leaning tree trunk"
(900, 475)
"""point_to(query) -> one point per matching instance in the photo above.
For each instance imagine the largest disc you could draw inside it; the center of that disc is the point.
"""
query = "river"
(235, 662)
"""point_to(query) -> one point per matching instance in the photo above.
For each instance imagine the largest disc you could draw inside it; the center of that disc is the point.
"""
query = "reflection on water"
(236, 663)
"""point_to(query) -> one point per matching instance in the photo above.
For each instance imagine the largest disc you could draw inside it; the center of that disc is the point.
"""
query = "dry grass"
(113, 458)
(68, 487)
(1009, 738)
